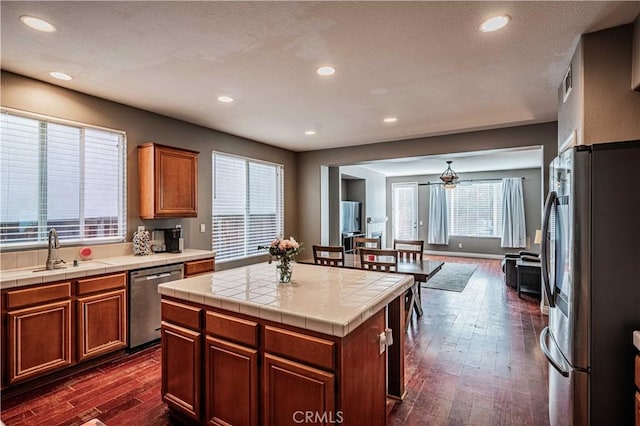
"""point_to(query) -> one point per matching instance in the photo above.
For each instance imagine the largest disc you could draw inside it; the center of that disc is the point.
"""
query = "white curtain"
(514, 232)
(438, 226)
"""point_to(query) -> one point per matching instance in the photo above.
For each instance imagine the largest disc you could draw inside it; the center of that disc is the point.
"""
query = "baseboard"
(462, 254)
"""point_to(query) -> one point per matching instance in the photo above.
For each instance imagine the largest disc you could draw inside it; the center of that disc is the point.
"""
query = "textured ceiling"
(423, 62)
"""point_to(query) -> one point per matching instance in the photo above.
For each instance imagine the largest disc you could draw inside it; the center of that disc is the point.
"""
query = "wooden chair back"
(409, 249)
(378, 259)
(360, 242)
(328, 255)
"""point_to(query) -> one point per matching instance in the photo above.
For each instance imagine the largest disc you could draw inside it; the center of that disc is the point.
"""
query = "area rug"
(452, 277)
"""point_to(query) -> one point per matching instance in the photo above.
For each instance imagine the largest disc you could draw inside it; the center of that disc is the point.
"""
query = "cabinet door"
(231, 383)
(176, 183)
(39, 340)
(181, 369)
(102, 323)
(293, 390)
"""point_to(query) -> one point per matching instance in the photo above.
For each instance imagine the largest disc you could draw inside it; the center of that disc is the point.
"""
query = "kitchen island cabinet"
(313, 350)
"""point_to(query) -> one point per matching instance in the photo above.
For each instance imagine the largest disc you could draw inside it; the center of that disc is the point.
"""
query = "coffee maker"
(168, 240)
(173, 239)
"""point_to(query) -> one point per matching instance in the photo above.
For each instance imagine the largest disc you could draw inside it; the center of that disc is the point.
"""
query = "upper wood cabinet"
(168, 181)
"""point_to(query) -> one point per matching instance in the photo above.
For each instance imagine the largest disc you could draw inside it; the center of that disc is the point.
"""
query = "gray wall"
(602, 106)
(532, 191)
(141, 126)
(309, 198)
(371, 193)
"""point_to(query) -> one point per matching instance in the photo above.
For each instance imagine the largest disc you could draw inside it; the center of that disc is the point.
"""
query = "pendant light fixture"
(449, 177)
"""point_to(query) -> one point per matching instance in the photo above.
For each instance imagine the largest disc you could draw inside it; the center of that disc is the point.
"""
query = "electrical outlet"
(140, 228)
(459, 245)
(202, 227)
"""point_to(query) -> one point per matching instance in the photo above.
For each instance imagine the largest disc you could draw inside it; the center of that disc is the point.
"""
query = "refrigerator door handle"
(544, 247)
(562, 367)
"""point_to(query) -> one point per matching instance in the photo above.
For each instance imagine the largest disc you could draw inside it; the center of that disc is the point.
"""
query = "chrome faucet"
(52, 262)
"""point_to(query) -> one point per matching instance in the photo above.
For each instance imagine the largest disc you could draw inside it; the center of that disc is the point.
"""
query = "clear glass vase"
(284, 270)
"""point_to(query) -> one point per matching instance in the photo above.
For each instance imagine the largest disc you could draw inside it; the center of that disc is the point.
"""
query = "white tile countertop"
(636, 339)
(328, 300)
(26, 276)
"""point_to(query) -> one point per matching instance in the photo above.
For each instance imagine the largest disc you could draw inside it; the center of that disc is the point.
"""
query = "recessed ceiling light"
(60, 75)
(495, 23)
(390, 119)
(37, 24)
(310, 132)
(326, 70)
(225, 99)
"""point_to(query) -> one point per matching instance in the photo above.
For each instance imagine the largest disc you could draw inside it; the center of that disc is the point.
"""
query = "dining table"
(421, 269)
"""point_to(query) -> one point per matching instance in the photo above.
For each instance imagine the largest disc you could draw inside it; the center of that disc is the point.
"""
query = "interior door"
(404, 199)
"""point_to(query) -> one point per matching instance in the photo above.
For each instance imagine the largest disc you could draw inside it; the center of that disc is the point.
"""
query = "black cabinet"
(529, 278)
(347, 242)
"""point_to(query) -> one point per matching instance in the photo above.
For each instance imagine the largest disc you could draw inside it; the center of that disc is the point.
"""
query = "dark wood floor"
(472, 359)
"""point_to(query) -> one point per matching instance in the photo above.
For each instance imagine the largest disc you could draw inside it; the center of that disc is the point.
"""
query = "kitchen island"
(240, 348)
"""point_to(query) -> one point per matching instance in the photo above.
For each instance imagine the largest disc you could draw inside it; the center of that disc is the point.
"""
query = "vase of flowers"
(283, 251)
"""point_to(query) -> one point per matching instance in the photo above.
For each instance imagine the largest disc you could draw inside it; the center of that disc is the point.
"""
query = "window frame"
(41, 241)
(279, 203)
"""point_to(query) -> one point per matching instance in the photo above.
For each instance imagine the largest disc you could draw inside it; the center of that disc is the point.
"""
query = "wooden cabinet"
(39, 340)
(38, 330)
(101, 315)
(255, 371)
(49, 327)
(197, 267)
(231, 393)
(292, 389)
(181, 358)
(231, 360)
(168, 179)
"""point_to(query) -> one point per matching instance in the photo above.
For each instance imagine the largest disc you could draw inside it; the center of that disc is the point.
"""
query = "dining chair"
(409, 249)
(328, 255)
(380, 260)
(363, 242)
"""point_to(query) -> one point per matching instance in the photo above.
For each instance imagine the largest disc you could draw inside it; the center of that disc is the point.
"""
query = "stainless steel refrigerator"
(591, 275)
(350, 216)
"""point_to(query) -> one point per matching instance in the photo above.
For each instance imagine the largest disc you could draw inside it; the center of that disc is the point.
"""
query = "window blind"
(62, 176)
(248, 205)
(475, 210)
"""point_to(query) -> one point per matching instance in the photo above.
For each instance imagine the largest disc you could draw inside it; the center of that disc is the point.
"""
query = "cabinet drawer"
(231, 328)
(637, 408)
(638, 371)
(196, 267)
(308, 349)
(38, 295)
(178, 313)
(106, 282)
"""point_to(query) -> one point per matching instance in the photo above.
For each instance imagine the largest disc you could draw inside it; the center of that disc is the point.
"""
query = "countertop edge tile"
(310, 303)
(11, 278)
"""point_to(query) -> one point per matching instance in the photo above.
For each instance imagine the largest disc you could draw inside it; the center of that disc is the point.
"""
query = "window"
(62, 175)
(475, 210)
(248, 205)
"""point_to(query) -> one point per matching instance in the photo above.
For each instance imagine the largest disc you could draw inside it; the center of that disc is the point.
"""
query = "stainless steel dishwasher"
(144, 302)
